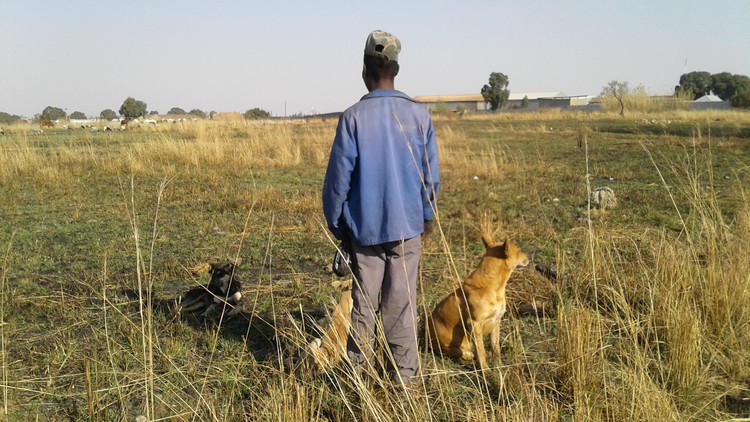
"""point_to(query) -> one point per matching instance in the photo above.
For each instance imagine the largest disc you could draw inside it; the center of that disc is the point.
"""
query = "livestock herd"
(94, 125)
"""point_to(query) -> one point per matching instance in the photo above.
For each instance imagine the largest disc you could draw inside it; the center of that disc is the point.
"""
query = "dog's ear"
(343, 285)
(487, 240)
(504, 246)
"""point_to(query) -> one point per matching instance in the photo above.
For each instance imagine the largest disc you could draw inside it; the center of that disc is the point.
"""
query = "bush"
(256, 113)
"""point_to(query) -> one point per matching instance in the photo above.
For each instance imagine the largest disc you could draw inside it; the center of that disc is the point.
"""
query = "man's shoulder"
(378, 98)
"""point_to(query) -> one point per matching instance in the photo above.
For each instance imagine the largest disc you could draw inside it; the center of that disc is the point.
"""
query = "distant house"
(709, 102)
(709, 98)
(515, 99)
(470, 102)
(475, 102)
(564, 101)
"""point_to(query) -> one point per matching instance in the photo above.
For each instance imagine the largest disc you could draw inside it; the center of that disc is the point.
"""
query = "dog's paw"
(467, 356)
(314, 345)
(200, 269)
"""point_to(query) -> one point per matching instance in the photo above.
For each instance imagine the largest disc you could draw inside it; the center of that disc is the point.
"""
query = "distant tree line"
(7, 119)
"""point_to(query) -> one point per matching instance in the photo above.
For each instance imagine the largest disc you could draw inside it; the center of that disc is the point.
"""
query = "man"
(379, 191)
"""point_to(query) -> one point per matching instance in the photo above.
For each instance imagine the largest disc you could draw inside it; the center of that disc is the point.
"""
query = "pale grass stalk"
(107, 336)
(589, 223)
(671, 196)
(244, 235)
(145, 327)
(3, 280)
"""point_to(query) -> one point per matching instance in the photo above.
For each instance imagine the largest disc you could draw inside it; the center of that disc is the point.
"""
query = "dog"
(224, 286)
(460, 321)
(330, 348)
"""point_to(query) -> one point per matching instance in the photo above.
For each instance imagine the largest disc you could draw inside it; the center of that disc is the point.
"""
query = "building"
(471, 102)
(709, 102)
(564, 101)
(476, 103)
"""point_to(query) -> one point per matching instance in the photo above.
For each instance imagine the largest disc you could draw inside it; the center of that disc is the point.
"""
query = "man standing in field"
(379, 191)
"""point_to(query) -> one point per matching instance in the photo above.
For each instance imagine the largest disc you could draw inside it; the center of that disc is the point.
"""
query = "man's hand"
(427, 229)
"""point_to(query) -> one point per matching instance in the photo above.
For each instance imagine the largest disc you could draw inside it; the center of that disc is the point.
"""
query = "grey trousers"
(386, 281)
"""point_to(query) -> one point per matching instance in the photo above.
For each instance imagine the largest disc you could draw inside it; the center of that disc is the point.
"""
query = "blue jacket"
(383, 176)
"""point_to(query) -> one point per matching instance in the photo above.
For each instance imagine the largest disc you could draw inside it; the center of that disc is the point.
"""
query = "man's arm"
(338, 177)
(431, 172)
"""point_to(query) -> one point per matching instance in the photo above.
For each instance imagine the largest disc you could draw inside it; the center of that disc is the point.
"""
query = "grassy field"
(649, 313)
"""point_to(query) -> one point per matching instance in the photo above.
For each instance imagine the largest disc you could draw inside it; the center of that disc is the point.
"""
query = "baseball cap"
(383, 44)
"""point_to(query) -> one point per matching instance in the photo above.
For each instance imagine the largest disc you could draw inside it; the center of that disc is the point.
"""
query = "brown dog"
(460, 321)
(329, 349)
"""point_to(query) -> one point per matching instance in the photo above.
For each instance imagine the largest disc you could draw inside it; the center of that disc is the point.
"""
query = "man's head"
(383, 45)
(380, 60)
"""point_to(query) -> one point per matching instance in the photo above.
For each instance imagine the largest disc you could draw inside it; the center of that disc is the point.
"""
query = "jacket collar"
(380, 93)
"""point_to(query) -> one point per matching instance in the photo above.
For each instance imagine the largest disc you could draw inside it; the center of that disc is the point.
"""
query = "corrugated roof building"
(475, 102)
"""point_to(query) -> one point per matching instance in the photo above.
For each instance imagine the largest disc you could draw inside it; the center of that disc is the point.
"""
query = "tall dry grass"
(651, 323)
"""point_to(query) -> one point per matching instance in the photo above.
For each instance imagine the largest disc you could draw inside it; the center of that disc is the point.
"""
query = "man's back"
(388, 166)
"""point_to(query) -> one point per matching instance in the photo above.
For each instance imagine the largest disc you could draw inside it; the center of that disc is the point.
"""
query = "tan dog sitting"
(461, 320)
(329, 349)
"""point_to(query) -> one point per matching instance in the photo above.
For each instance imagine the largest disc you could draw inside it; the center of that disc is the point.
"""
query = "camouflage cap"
(383, 44)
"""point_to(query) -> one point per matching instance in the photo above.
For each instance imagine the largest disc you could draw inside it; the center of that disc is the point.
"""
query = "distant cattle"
(46, 123)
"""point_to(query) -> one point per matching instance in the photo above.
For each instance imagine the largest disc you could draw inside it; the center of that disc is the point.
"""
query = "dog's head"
(221, 275)
(507, 251)
(342, 285)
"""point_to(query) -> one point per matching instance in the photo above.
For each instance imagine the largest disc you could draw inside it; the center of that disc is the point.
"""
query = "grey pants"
(386, 281)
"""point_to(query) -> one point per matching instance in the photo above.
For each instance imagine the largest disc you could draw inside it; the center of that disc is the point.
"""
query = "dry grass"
(649, 318)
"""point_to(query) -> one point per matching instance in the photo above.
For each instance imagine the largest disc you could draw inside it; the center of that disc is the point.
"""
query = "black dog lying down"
(223, 286)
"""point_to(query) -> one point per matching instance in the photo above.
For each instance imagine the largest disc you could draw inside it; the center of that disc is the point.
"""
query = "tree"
(618, 91)
(697, 84)
(77, 115)
(721, 85)
(132, 108)
(176, 110)
(197, 113)
(496, 92)
(256, 113)
(726, 85)
(53, 113)
(108, 114)
(525, 102)
(152, 112)
(741, 99)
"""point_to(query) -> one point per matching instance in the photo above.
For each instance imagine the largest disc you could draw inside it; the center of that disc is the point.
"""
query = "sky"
(291, 57)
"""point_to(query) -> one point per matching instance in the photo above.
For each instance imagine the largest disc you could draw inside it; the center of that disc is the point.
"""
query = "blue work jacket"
(383, 175)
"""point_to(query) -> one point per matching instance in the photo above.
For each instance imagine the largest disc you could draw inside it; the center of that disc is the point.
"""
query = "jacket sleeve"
(431, 171)
(338, 176)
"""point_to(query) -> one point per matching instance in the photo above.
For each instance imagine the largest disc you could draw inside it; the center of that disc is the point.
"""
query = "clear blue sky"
(235, 55)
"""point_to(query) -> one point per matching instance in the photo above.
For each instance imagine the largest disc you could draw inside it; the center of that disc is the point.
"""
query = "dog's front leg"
(208, 310)
(495, 343)
(478, 340)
